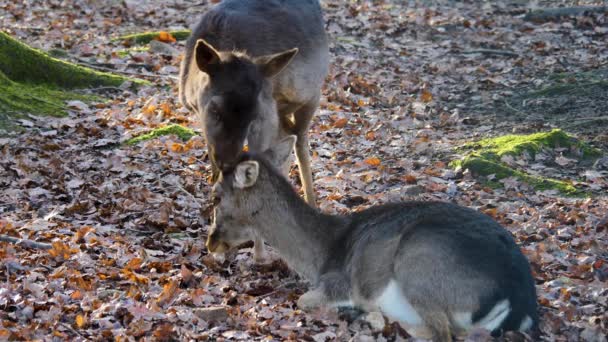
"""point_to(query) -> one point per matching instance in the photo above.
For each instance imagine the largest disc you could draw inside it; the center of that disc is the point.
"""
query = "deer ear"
(246, 174)
(205, 55)
(271, 65)
(279, 153)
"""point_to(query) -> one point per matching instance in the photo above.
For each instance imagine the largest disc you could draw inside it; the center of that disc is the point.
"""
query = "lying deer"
(438, 269)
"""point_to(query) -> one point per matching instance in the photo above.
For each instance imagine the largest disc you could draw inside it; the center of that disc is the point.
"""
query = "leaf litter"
(125, 225)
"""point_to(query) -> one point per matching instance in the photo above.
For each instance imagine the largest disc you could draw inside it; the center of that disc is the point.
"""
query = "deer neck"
(301, 234)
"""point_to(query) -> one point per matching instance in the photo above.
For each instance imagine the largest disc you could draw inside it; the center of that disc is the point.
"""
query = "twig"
(582, 121)
(116, 89)
(491, 52)
(279, 288)
(554, 13)
(25, 242)
(124, 72)
(513, 108)
(114, 65)
(142, 232)
(72, 330)
(594, 118)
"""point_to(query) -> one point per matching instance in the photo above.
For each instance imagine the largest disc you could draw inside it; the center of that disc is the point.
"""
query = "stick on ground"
(25, 242)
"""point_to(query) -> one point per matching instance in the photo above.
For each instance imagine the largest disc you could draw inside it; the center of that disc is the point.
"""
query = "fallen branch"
(548, 14)
(25, 242)
(125, 72)
(491, 52)
(276, 290)
(73, 331)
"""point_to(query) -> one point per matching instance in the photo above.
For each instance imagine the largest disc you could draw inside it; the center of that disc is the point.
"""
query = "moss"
(126, 52)
(484, 157)
(146, 37)
(23, 98)
(181, 132)
(495, 148)
(24, 64)
(484, 167)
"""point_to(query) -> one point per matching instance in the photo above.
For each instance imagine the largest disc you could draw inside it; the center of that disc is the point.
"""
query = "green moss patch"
(146, 37)
(33, 82)
(484, 157)
(181, 132)
(24, 64)
(23, 98)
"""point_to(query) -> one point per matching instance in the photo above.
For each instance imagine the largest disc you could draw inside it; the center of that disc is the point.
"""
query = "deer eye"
(214, 108)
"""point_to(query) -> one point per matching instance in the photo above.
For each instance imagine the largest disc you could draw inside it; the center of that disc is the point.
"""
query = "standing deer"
(253, 71)
(439, 269)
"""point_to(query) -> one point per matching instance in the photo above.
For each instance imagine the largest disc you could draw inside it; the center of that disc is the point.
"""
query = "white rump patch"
(393, 303)
(464, 320)
(496, 316)
(526, 324)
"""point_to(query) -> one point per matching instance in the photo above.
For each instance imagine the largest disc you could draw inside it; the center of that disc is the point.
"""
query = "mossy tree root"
(24, 64)
(484, 158)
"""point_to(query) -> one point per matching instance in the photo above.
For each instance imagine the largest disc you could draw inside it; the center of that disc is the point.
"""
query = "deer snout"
(215, 245)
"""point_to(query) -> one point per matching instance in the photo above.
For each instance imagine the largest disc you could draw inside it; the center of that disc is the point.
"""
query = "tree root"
(25, 243)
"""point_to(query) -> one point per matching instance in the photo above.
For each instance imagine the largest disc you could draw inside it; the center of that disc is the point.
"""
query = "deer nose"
(215, 245)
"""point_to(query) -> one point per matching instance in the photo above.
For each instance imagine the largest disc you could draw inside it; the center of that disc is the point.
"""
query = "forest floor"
(116, 232)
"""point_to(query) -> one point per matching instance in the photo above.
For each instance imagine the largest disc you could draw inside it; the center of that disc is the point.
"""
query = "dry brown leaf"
(373, 161)
(426, 96)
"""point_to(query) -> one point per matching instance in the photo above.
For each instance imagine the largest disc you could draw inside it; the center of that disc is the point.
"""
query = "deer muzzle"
(215, 245)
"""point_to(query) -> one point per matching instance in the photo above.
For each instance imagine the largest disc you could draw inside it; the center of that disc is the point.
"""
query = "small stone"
(163, 48)
(213, 313)
(324, 336)
(412, 190)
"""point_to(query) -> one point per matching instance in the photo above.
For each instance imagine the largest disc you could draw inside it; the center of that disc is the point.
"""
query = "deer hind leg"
(259, 252)
(438, 325)
(303, 117)
(333, 291)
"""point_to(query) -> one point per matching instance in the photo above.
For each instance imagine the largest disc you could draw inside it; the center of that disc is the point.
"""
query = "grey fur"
(257, 28)
(448, 261)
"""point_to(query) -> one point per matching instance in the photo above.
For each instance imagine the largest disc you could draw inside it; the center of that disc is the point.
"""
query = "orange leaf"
(426, 96)
(410, 179)
(340, 123)
(81, 321)
(5, 334)
(373, 161)
(491, 212)
(76, 295)
(166, 37)
(186, 274)
(371, 136)
(134, 264)
(177, 147)
(134, 277)
(169, 291)
(61, 250)
(164, 332)
(81, 233)
(149, 110)
(166, 109)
